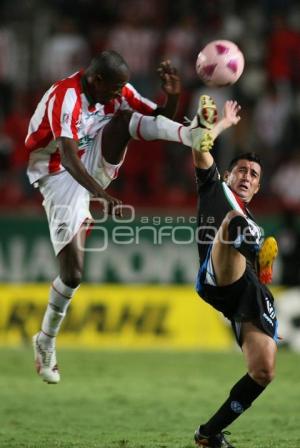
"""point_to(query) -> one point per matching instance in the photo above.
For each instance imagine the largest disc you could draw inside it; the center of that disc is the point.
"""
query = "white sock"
(59, 300)
(144, 127)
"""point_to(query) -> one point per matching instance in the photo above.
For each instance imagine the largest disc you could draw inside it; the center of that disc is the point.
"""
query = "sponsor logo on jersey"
(66, 118)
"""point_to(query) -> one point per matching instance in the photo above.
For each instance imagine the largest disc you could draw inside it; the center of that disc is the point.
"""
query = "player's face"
(244, 179)
(108, 89)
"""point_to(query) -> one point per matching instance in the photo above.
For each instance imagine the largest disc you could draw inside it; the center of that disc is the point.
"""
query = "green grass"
(139, 400)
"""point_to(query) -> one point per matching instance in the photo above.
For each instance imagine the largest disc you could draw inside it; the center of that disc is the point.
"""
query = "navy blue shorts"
(246, 300)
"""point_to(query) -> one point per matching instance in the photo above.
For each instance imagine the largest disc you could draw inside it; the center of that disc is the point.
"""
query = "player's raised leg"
(142, 127)
(126, 125)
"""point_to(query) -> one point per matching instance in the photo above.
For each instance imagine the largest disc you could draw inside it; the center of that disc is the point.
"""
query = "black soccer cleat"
(212, 441)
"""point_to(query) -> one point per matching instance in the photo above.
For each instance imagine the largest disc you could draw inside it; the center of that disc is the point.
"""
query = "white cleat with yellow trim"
(203, 122)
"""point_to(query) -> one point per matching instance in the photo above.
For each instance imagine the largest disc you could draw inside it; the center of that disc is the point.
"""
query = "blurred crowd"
(42, 41)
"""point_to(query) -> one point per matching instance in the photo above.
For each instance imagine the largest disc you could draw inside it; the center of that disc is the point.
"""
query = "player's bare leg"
(229, 264)
(260, 354)
(71, 260)
(116, 136)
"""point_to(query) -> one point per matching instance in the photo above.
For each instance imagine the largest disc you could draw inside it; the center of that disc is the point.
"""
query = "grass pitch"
(113, 399)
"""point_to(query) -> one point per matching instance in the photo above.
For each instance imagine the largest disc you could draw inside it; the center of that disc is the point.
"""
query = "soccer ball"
(220, 63)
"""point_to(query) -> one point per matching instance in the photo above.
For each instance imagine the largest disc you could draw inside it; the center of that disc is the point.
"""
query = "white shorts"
(66, 202)
(67, 205)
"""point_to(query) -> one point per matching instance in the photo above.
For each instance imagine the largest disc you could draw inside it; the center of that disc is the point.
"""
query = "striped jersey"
(64, 111)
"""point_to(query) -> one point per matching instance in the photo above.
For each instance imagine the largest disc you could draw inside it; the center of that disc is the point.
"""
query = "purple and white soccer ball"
(220, 63)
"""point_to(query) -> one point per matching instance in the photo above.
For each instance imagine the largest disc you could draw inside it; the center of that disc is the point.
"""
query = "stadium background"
(42, 41)
(142, 357)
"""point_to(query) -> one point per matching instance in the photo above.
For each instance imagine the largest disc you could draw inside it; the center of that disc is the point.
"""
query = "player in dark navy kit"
(235, 264)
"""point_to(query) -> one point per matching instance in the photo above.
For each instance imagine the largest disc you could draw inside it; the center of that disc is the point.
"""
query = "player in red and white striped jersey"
(65, 111)
(77, 141)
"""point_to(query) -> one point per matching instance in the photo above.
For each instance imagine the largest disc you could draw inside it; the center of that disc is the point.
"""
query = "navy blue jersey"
(215, 200)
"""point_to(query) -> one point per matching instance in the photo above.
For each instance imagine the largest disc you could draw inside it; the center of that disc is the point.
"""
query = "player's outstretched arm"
(171, 85)
(71, 162)
(230, 117)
